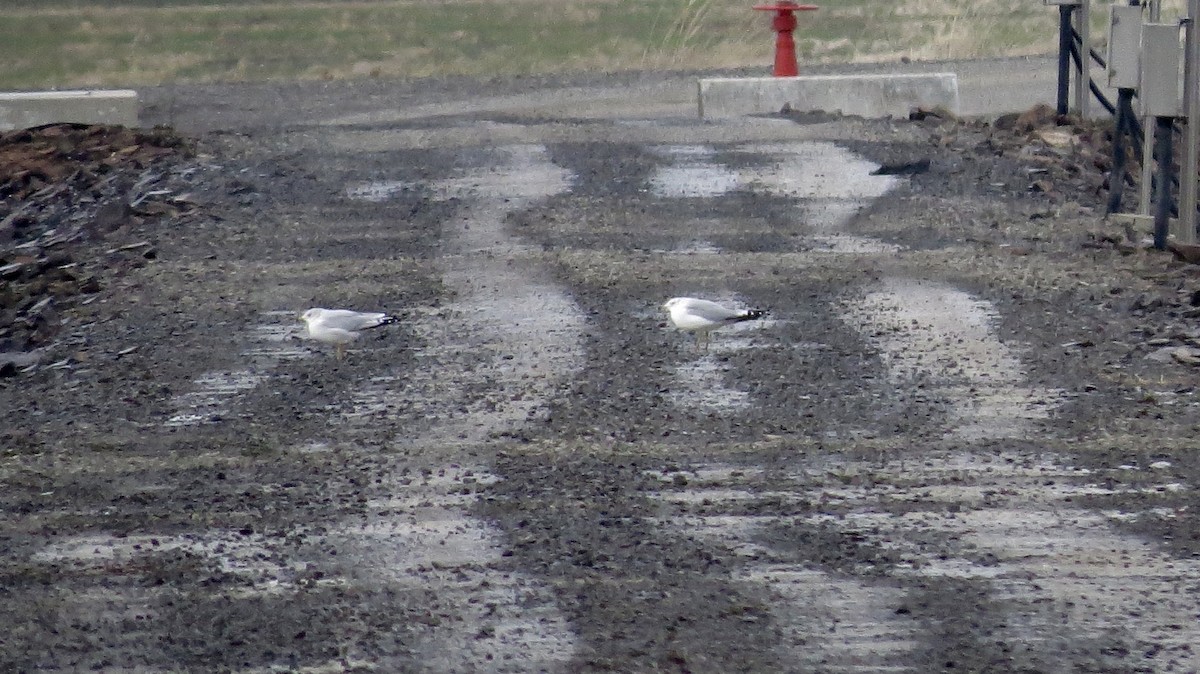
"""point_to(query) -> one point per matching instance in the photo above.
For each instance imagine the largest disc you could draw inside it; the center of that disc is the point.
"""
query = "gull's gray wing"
(709, 311)
(352, 321)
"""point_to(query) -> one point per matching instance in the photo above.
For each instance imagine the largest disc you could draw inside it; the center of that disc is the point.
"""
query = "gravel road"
(961, 439)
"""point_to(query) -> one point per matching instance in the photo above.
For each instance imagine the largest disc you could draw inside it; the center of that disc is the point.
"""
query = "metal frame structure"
(1156, 89)
(1191, 111)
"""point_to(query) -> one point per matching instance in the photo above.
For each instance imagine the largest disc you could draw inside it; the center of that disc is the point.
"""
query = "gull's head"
(670, 304)
(309, 315)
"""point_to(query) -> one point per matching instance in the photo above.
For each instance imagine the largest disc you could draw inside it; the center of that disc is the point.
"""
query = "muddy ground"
(961, 440)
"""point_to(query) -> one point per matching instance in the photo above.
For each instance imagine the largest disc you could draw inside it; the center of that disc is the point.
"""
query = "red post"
(784, 22)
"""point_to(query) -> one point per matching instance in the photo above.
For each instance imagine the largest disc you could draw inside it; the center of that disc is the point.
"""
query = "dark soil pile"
(78, 204)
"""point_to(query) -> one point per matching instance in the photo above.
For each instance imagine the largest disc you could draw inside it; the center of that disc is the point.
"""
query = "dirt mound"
(1061, 156)
(76, 205)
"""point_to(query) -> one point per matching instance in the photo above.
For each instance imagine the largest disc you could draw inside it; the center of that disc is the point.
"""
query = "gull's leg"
(340, 351)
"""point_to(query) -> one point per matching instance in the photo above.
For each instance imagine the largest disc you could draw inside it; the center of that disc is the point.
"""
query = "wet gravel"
(463, 495)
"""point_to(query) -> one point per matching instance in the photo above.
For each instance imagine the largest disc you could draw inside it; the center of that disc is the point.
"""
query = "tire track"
(419, 554)
(1074, 589)
(491, 362)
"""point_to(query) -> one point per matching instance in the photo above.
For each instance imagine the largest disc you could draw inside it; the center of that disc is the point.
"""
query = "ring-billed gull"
(702, 316)
(341, 326)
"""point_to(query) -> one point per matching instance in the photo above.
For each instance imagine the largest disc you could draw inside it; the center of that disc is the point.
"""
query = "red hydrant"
(784, 23)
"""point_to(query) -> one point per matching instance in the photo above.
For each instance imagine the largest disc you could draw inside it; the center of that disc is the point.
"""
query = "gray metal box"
(1159, 89)
(1124, 44)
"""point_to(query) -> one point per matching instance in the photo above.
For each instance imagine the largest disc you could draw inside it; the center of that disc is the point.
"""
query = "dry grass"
(138, 42)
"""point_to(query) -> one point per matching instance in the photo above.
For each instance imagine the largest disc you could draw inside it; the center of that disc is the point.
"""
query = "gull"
(702, 316)
(341, 326)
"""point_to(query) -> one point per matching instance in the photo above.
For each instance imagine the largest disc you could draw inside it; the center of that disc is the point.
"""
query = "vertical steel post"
(1163, 135)
(1191, 115)
(1153, 8)
(1116, 178)
(1064, 58)
(1083, 80)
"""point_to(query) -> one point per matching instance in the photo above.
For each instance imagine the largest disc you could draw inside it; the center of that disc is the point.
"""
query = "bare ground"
(962, 441)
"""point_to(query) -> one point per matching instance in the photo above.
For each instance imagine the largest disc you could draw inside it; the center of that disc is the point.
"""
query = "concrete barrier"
(878, 95)
(21, 110)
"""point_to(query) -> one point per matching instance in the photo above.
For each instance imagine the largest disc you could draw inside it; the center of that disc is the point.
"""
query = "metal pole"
(1153, 8)
(1163, 135)
(1116, 179)
(1064, 57)
(1083, 81)
(1191, 113)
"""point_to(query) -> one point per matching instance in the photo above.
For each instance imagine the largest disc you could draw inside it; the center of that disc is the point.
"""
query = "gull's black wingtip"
(752, 315)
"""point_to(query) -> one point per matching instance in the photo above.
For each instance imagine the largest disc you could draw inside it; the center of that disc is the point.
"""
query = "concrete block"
(21, 110)
(878, 95)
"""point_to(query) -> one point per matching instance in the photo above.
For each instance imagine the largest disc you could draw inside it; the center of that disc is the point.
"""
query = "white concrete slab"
(869, 95)
(21, 110)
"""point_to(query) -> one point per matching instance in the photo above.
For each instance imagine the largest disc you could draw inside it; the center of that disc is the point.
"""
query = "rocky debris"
(1125, 242)
(903, 168)
(1188, 355)
(1041, 152)
(1185, 252)
(1061, 156)
(78, 204)
(921, 114)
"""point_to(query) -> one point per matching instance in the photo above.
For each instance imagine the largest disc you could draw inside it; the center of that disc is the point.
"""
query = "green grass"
(69, 43)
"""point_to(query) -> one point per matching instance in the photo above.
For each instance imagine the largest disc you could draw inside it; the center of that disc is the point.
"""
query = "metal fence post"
(1163, 135)
(1064, 57)
(1083, 80)
(1191, 113)
(1153, 12)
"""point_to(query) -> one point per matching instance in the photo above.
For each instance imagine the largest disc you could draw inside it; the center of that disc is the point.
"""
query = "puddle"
(929, 331)
(270, 345)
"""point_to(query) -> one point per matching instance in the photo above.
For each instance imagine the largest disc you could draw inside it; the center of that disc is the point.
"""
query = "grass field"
(72, 43)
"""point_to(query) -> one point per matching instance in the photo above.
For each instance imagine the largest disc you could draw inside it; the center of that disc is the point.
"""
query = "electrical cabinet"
(1124, 45)
(1160, 85)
